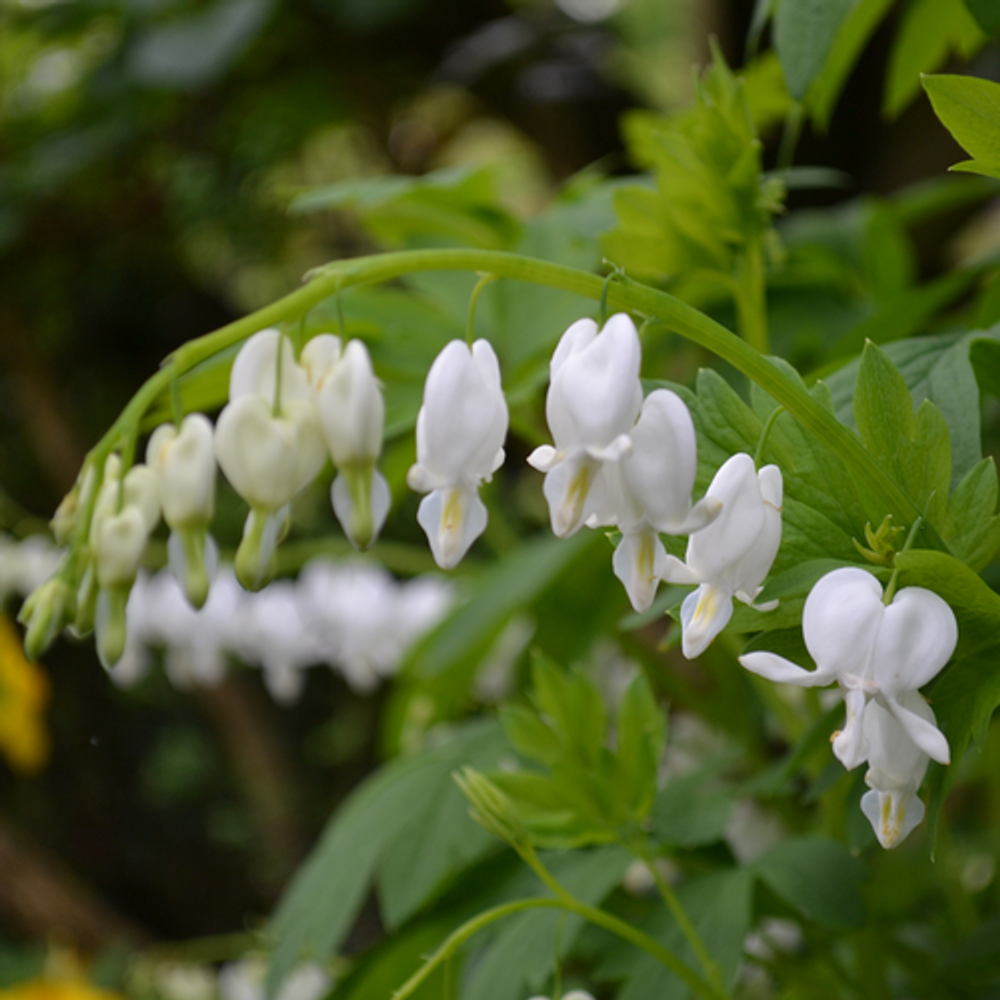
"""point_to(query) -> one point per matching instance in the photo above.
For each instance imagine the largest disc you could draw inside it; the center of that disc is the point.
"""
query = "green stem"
(751, 298)
(765, 434)
(601, 918)
(460, 935)
(640, 847)
(671, 312)
(470, 333)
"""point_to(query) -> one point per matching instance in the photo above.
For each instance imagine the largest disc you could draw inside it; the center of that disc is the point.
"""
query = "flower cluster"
(879, 655)
(354, 617)
(622, 461)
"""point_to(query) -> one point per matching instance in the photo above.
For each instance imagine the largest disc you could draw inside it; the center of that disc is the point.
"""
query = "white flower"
(125, 514)
(184, 463)
(593, 400)
(733, 554)
(460, 433)
(268, 444)
(651, 490)
(871, 651)
(352, 414)
(896, 766)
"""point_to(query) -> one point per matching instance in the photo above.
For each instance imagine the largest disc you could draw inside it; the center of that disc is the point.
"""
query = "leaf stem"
(640, 847)
(602, 918)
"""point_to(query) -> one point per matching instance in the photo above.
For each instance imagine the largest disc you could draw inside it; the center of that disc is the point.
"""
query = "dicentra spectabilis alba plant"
(461, 429)
(584, 768)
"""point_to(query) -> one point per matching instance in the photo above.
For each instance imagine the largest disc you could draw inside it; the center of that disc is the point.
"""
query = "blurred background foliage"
(149, 153)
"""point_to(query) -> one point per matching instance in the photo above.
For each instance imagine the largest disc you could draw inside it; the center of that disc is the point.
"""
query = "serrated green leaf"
(944, 369)
(972, 527)
(914, 449)
(320, 905)
(818, 878)
(804, 32)
(965, 695)
(970, 110)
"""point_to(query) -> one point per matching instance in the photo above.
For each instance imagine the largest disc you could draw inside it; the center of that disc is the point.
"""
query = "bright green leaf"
(970, 110)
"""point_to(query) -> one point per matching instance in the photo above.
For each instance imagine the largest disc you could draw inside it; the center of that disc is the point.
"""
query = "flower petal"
(840, 620)
(452, 518)
(918, 635)
(704, 614)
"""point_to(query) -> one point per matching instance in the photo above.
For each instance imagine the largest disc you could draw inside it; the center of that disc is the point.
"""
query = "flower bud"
(184, 463)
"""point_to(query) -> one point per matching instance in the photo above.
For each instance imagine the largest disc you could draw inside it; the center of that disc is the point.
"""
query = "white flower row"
(353, 617)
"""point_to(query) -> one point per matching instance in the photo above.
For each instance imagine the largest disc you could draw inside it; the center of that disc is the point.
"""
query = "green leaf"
(970, 110)
(804, 31)
(914, 449)
(929, 31)
(855, 31)
(818, 878)
(459, 203)
(529, 735)
(719, 906)
(972, 527)
(986, 13)
(965, 695)
(691, 811)
(945, 369)
(318, 908)
(520, 957)
(641, 735)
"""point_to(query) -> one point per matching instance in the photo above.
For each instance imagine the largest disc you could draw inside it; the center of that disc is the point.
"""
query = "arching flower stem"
(671, 313)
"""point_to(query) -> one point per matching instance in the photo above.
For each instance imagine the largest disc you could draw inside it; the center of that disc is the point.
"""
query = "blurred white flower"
(245, 980)
(461, 429)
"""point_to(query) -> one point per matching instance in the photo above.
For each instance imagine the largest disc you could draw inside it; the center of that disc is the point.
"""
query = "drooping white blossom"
(650, 492)
(183, 460)
(732, 555)
(592, 404)
(269, 444)
(125, 514)
(352, 415)
(896, 766)
(872, 652)
(461, 429)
